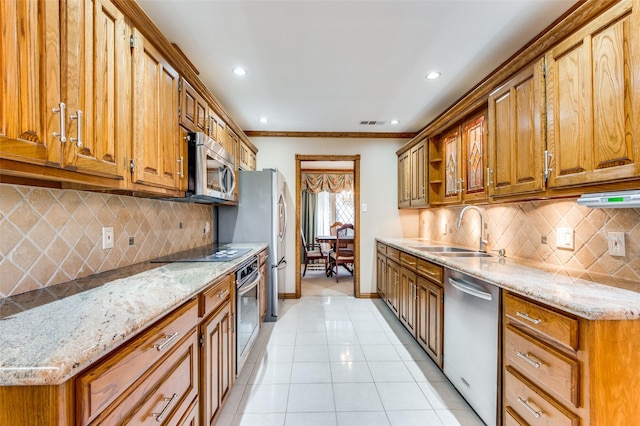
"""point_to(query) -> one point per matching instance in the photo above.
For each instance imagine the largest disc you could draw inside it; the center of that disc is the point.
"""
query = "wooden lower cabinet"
(263, 287)
(217, 369)
(429, 318)
(562, 370)
(413, 289)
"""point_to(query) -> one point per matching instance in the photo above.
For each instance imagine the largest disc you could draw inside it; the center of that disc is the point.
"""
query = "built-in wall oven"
(247, 309)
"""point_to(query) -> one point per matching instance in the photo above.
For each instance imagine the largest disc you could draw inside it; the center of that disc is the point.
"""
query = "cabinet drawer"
(393, 253)
(166, 395)
(556, 326)
(430, 270)
(512, 419)
(551, 369)
(101, 385)
(215, 296)
(408, 261)
(381, 248)
(533, 405)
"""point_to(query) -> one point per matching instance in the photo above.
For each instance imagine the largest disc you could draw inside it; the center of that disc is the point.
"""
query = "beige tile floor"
(336, 360)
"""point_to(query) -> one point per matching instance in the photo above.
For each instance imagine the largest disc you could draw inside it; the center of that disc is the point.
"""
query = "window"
(334, 208)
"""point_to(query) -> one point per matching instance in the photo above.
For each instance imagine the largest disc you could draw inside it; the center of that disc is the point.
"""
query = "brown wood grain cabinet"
(590, 109)
(63, 104)
(412, 190)
(408, 292)
(404, 179)
(430, 309)
(393, 286)
(516, 140)
(193, 108)
(155, 152)
(560, 369)
(263, 287)
(381, 270)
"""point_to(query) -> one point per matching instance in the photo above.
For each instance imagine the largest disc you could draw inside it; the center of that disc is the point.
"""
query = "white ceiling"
(326, 65)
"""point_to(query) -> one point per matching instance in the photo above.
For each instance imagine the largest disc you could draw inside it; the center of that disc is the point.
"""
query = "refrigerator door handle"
(283, 213)
(281, 263)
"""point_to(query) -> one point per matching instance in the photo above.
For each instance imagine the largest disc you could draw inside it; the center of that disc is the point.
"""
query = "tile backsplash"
(50, 236)
(521, 228)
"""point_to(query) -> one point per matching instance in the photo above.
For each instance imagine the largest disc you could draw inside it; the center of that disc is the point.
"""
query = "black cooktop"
(211, 253)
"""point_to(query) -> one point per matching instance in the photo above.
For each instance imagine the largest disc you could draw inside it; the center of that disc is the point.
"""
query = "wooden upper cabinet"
(30, 82)
(590, 111)
(216, 128)
(516, 134)
(193, 109)
(474, 145)
(404, 179)
(96, 88)
(155, 151)
(419, 196)
(452, 168)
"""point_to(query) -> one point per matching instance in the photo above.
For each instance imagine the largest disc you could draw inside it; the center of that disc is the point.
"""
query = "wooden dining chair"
(311, 252)
(343, 255)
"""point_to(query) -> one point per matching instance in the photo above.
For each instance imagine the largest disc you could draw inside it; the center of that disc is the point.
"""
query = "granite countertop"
(49, 335)
(587, 296)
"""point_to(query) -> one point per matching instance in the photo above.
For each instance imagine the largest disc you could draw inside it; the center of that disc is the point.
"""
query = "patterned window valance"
(330, 182)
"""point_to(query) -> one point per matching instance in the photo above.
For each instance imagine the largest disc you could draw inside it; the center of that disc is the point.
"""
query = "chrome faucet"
(483, 241)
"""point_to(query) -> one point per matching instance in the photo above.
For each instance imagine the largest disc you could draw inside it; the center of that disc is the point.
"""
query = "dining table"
(331, 240)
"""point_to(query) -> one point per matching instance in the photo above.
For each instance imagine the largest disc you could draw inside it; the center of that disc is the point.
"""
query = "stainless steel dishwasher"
(471, 316)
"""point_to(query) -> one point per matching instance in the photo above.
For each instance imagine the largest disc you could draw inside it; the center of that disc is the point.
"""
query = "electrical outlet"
(543, 239)
(616, 243)
(132, 241)
(107, 237)
(564, 238)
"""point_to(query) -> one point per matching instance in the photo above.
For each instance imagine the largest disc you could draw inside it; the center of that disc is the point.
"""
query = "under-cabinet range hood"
(619, 199)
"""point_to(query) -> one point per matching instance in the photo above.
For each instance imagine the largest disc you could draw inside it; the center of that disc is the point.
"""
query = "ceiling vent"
(372, 122)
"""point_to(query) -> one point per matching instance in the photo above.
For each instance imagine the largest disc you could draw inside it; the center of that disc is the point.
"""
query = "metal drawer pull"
(528, 358)
(528, 318)
(537, 414)
(161, 414)
(222, 294)
(168, 340)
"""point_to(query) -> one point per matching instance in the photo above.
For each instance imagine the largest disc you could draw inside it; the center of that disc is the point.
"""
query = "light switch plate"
(565, 238)
(107, 237)
(616, 243)
(364, 207)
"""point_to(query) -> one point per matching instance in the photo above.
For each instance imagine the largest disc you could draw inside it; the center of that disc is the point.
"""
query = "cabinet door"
(516, 138)
(429, 325)
(404, 182)
(475, 147)
(217, 363)
(418, 178)
(408, 299)
(96, 88)
(193, 109)
(393, 284)
(381, 275)
(30, 81)
(452, 179)
(155, 117)
(590, 112)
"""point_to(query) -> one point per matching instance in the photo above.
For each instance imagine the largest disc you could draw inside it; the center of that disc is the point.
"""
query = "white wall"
(378, 189)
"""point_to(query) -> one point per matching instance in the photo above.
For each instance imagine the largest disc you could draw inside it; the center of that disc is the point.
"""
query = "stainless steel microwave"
(211, 171)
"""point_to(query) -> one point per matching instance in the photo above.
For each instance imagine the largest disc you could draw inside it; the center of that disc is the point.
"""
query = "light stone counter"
(590, 297)
(50, 339)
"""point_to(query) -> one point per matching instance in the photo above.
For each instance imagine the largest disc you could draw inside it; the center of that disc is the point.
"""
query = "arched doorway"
(355, 161)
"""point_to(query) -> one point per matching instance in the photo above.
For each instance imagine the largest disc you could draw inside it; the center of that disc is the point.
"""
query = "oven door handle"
(245, 288)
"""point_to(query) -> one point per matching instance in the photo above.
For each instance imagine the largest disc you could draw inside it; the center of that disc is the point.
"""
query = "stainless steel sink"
(443, 249)
(464, 254)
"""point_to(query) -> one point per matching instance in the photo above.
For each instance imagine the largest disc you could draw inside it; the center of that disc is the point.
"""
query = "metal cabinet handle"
(536, 413)
(78, 117)
(222, 294)
(547, 169)
(62, 109)
(529, 359)
(181, 170)
(168, 339)
(460, 182)
(161, 414)
(489, 181)
(528, 318)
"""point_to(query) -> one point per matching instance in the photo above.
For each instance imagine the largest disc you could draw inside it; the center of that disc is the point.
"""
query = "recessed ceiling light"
(394, 122)
(239, 71)
(264, 120)
(433, 75)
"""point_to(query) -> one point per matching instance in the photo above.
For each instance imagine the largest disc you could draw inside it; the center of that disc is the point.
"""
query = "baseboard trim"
(369, 296)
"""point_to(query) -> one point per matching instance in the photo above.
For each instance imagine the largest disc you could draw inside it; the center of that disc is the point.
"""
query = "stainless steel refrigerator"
(260, 216)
